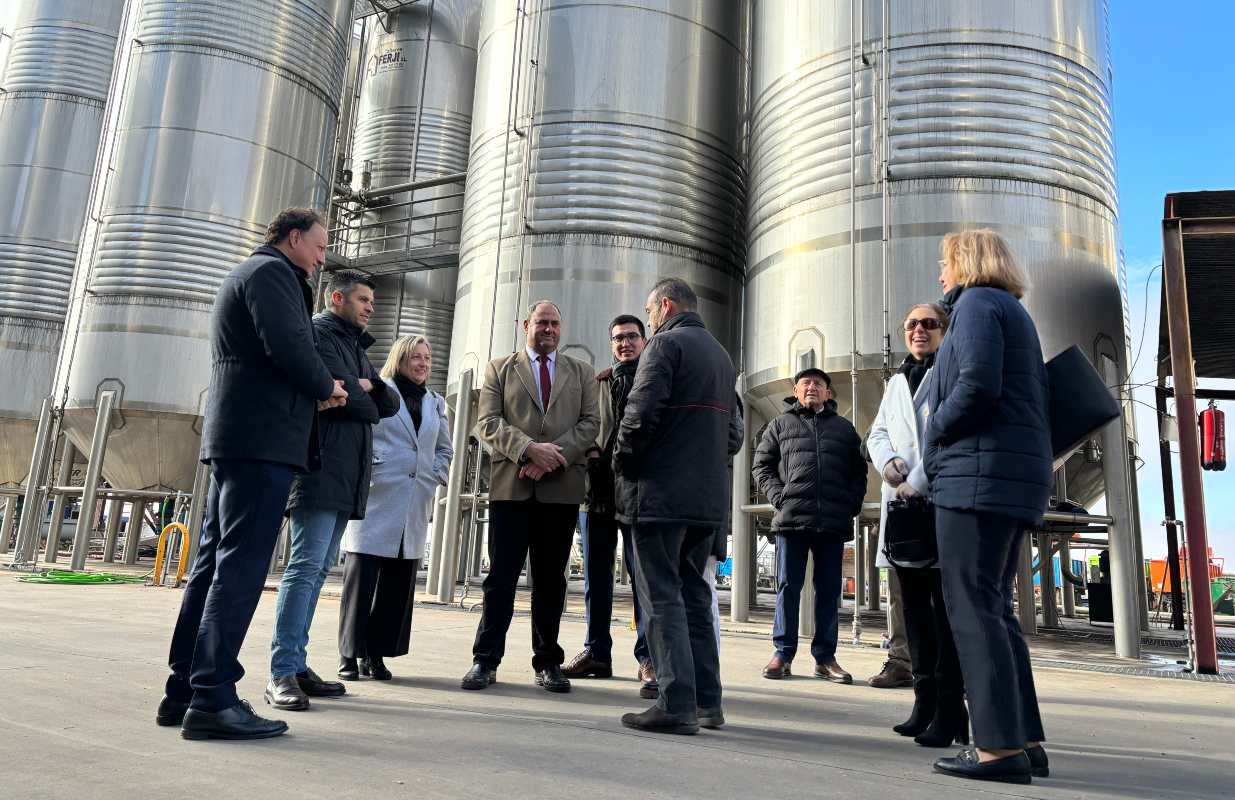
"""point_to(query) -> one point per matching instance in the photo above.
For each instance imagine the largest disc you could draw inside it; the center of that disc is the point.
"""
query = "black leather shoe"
(1039, 764)
(312, 684)
(285, 693)
(552, 679)
(1010, 769)
(710, 718)
(237, 722)
(654, 720)
(171, 712)
(479, 677)
(375, 668)
(584, 666)
(348, 670)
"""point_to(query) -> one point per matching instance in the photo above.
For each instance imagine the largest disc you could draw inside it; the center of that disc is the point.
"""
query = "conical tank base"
(146, 450)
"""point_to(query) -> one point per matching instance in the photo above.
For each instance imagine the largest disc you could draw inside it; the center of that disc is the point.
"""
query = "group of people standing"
(299, 422)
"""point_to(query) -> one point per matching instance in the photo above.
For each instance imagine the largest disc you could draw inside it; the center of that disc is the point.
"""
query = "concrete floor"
(82, 670)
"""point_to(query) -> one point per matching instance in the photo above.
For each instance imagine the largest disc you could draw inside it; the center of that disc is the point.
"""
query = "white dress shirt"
(534, 357)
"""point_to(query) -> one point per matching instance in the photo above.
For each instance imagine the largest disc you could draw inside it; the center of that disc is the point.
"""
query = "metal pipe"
(859, 578)
(32, 503)
(67, 455)
(435, 538)
(1168, 508)
(885, 144)
(366, 197)
(6, 526)
(743, 561)
(1046, 572)
(1026, 608)
(1069, 580)
(1183, 370)
(454, 486)
(133, 531)
(94, 474)
(872, 570)
(115, 510)
(1119, 529)
(197, 511)
(1142, 582)
(109, 492)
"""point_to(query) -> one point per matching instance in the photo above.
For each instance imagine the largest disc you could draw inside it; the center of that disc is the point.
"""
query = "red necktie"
(546, 385)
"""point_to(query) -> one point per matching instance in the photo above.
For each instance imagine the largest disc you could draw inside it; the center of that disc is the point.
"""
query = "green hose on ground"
(65, 577)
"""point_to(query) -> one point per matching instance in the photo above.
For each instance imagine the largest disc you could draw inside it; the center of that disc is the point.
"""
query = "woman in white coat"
(411, 458)
(894, 444)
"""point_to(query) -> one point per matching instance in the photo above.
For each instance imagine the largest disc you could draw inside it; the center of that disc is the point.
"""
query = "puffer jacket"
(810, 466)
(987, 444)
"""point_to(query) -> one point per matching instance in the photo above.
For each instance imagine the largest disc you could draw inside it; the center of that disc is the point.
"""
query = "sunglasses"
(928, 324)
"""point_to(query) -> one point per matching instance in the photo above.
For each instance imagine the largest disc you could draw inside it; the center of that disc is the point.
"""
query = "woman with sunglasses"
(938, 717)
(987, 454)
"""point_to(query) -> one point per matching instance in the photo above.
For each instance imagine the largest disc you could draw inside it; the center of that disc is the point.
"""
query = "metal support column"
(1183, 370)
(1046, 569)
(115, 510)
(32, 503)
(806, 606)
(197, 513)
(436, 536)
(133, 533)
(1168, 509)
(454, 489)
(872, 570)
(6, 526)
(94, 474)
(1120, 531)
(859, 578)
(743, 527)
(1069, 592)
(68, 454)
(1026, 608)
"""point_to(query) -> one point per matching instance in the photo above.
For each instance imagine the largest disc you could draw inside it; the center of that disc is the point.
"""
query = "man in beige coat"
(538, 418)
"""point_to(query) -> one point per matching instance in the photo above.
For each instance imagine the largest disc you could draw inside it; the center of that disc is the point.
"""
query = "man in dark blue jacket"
(266, 386)
(322, 502)
(681, 425)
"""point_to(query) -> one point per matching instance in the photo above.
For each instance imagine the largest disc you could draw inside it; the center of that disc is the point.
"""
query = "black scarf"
(619, 390)
(412, 393)
(914, 371)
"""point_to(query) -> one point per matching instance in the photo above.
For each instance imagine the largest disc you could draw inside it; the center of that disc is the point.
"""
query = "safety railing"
(414, 219)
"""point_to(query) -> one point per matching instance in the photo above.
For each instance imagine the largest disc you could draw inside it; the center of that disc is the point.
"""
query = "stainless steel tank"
(605, 154)
(228, 115)
(54, 86)
(997, 115)
(414, 122)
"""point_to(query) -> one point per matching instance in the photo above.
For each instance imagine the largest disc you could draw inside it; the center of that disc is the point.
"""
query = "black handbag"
(1081, 402)
(909, 533)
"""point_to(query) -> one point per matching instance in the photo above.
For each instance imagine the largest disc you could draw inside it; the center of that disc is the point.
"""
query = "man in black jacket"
(322, 502)
(809, 464)
(266, 386)
(682, 424)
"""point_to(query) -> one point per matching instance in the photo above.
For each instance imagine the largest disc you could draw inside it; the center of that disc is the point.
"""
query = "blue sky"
(1174, 131)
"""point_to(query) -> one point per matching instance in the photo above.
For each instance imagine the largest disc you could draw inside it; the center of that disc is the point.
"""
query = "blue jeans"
(791, 552)
(315, 548)
(600, 532)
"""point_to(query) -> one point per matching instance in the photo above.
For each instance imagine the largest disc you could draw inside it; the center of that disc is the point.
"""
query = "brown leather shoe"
(649, 688)
(894, 675)
(776, 669)
(831, 671)
(584, 666)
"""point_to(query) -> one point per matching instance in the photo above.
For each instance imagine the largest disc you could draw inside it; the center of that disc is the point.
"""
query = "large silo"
(992, 114)
(228, 114)
(54, 86)
(414, 122)
(605, 154)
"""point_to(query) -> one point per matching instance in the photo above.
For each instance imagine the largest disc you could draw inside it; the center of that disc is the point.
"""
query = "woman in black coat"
(987, 455)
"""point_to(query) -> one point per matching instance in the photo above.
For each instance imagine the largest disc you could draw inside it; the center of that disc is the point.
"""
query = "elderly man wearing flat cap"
(809, 465)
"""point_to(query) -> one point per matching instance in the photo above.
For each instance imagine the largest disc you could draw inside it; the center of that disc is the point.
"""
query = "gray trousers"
(898, 642)
(672, 566)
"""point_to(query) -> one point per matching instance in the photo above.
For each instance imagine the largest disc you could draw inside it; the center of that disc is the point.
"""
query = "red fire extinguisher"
(1213, 438)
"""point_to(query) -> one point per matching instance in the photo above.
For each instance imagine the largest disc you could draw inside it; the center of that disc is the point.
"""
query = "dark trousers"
(978, 556)
(791, 553)
(375, 617)
(936, 668)
(600, 535)
(671, 562)
(520, 530)
(244, 511)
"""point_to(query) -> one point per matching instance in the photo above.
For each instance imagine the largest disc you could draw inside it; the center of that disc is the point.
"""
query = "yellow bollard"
(161, 551)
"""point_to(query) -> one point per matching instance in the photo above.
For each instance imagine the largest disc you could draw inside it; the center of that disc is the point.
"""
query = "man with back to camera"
(267, 383)
(322, 502)
(538, 417)
(682, 424)
(809, 464)
(600, 533)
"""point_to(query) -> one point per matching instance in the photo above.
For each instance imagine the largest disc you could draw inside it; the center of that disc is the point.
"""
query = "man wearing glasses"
(626, 340)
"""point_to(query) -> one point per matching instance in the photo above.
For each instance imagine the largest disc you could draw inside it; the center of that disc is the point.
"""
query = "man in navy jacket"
(266, 386)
